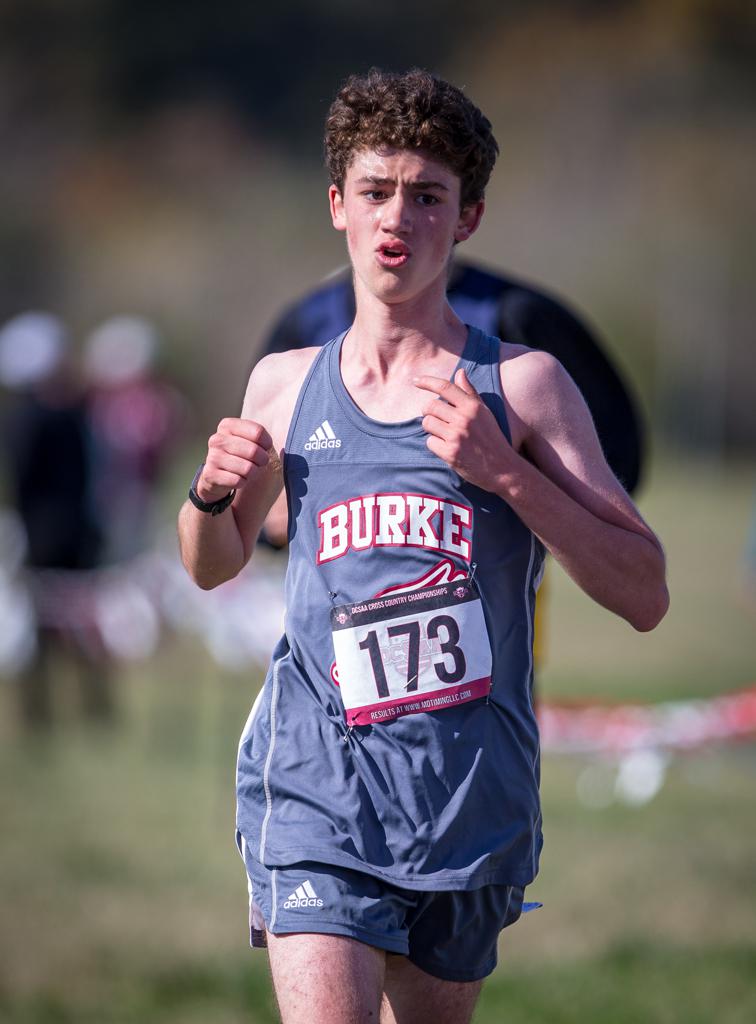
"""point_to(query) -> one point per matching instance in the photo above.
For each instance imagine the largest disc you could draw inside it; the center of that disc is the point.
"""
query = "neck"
(386, 335)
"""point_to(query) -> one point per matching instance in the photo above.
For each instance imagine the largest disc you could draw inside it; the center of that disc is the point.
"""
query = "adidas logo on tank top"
(323, 437)
(303, 896)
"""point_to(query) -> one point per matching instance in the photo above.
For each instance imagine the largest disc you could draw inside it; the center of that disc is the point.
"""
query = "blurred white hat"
(32, 346)
(120, 349)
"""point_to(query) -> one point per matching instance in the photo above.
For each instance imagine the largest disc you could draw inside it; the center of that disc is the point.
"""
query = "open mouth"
(393, 254)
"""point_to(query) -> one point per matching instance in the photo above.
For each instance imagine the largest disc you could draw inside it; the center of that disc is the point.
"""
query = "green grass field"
(122, 897)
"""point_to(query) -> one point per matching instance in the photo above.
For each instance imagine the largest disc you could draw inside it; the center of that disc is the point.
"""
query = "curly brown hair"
(411, 110)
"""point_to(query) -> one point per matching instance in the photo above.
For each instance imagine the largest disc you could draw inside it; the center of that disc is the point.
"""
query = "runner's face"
(400, 211)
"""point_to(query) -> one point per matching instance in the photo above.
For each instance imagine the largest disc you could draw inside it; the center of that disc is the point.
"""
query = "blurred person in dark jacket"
(47, 453)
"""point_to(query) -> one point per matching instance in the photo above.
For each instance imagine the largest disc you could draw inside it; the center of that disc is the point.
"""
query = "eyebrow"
(373, 179)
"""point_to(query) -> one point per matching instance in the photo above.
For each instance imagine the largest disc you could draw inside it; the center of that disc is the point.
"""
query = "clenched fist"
(236, 453)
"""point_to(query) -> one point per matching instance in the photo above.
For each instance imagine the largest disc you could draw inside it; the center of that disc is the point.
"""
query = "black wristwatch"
(213, 508)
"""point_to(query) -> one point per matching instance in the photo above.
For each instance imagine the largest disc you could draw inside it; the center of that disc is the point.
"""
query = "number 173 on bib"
(417, 651)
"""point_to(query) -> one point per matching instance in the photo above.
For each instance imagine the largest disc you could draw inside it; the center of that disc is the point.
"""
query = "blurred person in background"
(135, 419)
(47, 452)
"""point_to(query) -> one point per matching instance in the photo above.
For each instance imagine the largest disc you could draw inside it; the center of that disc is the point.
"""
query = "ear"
(469, 219)
(336, 203)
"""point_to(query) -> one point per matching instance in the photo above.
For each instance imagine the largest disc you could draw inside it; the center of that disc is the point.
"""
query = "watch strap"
(213, 508)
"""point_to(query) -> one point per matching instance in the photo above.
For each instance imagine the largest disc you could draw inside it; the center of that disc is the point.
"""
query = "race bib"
(421, 650)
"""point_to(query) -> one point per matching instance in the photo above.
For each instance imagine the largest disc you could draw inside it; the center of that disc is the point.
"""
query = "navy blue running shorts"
(450, 935)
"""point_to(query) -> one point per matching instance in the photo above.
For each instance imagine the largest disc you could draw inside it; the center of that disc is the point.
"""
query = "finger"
(441, 410)
(222, 466)
(219, 480)
(438, 447)
(443, 388)
(215, 484)
(232, 444)
(262, 457)
(463, 382)
(246, 428)
(243, 465)
(435, 425)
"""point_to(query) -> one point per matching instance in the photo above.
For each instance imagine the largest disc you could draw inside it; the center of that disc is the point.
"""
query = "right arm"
(242, 455)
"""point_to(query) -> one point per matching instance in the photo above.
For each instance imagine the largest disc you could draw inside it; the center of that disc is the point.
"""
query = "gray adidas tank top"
(445, 797)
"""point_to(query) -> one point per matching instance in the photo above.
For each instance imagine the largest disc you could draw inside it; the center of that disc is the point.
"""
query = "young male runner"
(388, 776)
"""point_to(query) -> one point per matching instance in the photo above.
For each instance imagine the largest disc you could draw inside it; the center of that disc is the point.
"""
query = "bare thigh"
(410, 995)
(326, 979)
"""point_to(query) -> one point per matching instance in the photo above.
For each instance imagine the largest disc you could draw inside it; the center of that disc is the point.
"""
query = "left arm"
(556, 479)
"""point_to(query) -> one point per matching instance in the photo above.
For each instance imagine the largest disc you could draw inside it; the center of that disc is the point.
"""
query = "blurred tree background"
(164, 159)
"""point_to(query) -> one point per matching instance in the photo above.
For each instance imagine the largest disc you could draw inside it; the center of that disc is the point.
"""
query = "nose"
(396, 213)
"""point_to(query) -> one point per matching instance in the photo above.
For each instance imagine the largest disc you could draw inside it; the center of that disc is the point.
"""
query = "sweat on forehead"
(413, 110)
(378, 167)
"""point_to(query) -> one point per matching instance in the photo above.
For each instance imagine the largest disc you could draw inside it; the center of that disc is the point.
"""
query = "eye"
(426, 199)
(374, 195)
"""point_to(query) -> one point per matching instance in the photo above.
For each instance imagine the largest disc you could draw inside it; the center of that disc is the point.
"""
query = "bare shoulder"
(529, 373)
(279, 371)
(273, 387)
(537, 390)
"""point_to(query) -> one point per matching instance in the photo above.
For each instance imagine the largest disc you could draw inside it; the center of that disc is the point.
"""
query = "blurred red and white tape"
(670, 725)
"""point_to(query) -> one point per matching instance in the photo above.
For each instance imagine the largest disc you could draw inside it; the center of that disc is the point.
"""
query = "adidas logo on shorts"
(303, 896)
(323, 437)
